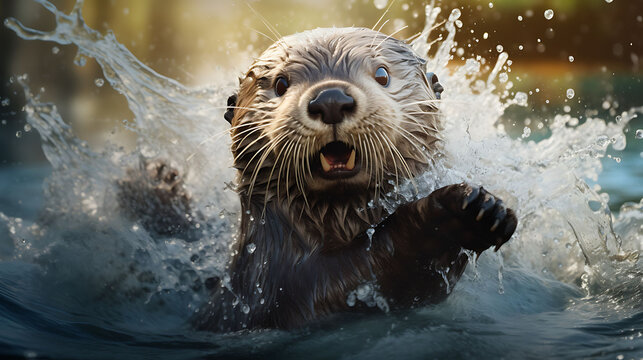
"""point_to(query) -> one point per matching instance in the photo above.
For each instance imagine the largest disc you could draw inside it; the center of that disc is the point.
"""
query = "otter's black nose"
(331, 104)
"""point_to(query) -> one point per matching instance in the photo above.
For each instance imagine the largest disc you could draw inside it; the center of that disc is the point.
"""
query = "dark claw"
(488, 203)
(484, 220)
(498, 215)
(470, 196)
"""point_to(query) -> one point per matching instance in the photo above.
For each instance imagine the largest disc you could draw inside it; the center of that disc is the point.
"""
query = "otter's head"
(332, 111)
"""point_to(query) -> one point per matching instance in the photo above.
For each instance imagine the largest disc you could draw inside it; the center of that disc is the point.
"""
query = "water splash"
(546, 182)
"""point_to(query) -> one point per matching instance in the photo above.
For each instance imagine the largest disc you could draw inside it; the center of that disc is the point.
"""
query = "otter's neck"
(316, 222)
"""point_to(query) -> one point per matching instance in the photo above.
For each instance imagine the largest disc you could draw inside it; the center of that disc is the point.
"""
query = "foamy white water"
(570, 262)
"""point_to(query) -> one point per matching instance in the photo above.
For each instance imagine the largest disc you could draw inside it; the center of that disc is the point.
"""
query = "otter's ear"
(435, 84)
(232, 102)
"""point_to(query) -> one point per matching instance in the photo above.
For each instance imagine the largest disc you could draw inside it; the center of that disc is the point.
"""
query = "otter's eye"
(281, 85)
(381, 76)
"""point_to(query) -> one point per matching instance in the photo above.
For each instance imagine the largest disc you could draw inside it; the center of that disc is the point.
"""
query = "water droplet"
(245, 308)
(380, 4)
(571, 58)
(490, 5)
(549, 14)
(609, 2)
(602, 141)
(351, 299)
(55, 50)
(455, 14)
(618, 142)
(639, 134)
(250, 248)
(570, 93)
(521, 98)
(80, 59)
(567, 108)
(485, 35)
(594, 205)
(520, 47)
(499, 48)
(519, 17)
(458, 23)
(99, 82)
(503, 77)
(526, 132)
(27, 128)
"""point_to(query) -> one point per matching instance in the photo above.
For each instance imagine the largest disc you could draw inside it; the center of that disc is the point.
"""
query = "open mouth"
(338, 161)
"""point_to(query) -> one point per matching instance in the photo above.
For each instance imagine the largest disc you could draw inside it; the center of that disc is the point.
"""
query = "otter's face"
(333, 110)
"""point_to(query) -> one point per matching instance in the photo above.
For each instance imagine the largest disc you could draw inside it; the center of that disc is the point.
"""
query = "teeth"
(350, 165)
(324, 162)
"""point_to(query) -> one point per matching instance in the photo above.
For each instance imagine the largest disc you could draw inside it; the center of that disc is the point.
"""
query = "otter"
(324, 124)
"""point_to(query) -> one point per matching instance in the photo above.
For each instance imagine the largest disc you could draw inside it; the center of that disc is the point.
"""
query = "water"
(80, 280)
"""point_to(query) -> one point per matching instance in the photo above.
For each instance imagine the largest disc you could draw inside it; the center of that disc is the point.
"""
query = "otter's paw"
(486, 221)
(154, 195)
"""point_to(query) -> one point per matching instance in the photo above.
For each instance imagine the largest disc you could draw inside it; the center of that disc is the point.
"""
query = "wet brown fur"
(303, 244)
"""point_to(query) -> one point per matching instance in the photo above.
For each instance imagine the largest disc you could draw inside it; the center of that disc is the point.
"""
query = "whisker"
(224, 131)
(308, 154)
(381, 168)
(375, 168)
(272, 170)
(416, 122)
(298, 175)
(377, 135)
(402, 160)
(413, 143)
(255, 126)
(413, 37)
(262, 136)
(258, 167)
(260, 33)
(265, 22)
(261, 151)
(287, 156)
(388, 37)
(382, 17)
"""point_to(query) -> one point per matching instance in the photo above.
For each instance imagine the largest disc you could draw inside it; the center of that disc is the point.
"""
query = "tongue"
(337, 158)
(332, 162)
(336, 153)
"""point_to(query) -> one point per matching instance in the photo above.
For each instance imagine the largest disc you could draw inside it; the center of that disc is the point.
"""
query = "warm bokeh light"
(591, 46)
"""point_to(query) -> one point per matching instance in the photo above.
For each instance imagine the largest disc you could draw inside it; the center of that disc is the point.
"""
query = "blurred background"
(591, 46)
